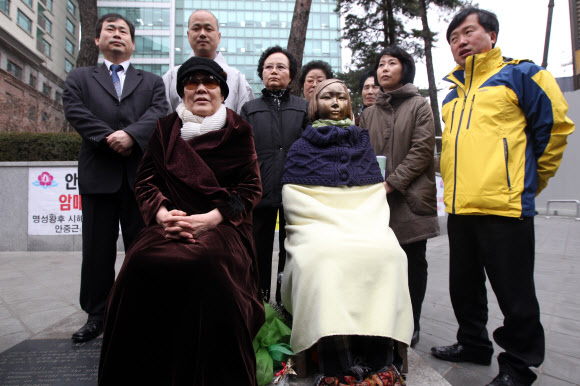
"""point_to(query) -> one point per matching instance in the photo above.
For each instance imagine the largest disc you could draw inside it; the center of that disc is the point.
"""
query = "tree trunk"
(297, 38)
(430, 72)
(385, 22)
(88, 53)
(391, 22)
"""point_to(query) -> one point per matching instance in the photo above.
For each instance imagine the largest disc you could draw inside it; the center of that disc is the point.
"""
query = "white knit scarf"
(194, 125)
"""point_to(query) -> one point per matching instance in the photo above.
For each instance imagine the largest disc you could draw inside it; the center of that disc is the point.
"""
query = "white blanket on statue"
(345, 272)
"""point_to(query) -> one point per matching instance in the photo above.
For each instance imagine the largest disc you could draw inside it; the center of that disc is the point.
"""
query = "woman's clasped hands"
(179, 226)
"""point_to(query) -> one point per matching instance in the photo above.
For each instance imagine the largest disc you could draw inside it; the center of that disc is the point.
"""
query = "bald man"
(204, 37)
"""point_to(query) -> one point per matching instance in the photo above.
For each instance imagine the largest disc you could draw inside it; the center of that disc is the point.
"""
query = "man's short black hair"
(487, 19)
(365, 75)
(273, 50)
(315, 65)
(406, 60)
(114, 17)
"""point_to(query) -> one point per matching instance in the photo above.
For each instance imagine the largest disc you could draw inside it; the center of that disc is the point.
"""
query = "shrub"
(39, 146)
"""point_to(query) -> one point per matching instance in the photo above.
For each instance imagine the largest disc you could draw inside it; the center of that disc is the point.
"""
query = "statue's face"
(332, 102)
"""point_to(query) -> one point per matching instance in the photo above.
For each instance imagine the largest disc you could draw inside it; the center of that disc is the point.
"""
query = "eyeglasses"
(210, 82)
(279, 67)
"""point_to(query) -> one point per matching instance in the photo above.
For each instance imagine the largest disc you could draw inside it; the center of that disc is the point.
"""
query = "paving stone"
(25, 275)
(569, 311)
(442, 367)
(561, 366)
(565, 326)
(546, 380)
(4, 312)
(462, 376)
(420, 373)
(24, 296)
(10, 340)
(64, 328)
(39, 321)
(563, 344)
(11, 326)
(34, 306)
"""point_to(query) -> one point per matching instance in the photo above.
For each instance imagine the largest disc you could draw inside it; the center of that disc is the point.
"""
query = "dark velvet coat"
(185, 313)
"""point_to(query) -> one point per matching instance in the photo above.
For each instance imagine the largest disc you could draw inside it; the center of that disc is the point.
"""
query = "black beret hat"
(197, 63)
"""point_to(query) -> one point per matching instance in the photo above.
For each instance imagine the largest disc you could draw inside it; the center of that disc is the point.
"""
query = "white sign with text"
(54, 202)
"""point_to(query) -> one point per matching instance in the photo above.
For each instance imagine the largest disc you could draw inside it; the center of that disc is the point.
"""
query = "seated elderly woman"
(185, 308)
(345, 280)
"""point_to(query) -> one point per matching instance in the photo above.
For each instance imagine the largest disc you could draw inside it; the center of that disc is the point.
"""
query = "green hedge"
(39, 146)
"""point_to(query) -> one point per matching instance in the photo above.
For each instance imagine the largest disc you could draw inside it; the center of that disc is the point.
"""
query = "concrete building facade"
(39, 42)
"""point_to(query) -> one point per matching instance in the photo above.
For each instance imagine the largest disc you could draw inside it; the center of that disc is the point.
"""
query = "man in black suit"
(114, 107)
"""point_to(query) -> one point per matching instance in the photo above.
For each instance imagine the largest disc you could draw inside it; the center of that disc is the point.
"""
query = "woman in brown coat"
(401, 128)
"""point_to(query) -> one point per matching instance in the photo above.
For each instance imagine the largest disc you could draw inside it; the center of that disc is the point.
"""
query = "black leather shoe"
(89, 331)
(415, 338)
(504, 379)
(456, 353)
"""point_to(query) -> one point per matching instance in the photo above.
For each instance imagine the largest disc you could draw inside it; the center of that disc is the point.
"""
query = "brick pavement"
(39, 299)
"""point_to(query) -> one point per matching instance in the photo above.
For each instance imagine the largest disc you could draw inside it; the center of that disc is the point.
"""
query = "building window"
(32, 113)
(5, 6)
(42, 45)
(70, 27)
(24, 22)
(142, 17)
(44, 116)
(33, 81)
(70, 7)
(157, 69)
(44, 23)
(57, 96)
(46, 89)
(68, 66)
(47, 3)
(69, 47)
(48, 26)
(151, 46)
(28, 2)
(14, 69)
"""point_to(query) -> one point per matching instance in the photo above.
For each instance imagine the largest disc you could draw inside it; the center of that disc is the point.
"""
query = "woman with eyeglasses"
(185, 307)
(278, 119)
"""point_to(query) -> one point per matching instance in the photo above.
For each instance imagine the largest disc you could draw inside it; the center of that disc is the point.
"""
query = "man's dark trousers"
(101, 216)
(502, 247)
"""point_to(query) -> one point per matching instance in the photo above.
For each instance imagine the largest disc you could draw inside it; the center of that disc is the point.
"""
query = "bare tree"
(28, 113)
(88, 53)
(297, 38)
(12, 114)
(428, 38)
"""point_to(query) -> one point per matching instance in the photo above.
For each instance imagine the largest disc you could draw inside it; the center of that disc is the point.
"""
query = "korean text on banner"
(54, 202)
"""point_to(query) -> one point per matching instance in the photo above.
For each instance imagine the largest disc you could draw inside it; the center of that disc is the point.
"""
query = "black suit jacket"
(93, 109)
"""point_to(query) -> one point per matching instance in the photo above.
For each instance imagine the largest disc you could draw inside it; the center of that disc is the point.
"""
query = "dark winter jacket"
(275, 130)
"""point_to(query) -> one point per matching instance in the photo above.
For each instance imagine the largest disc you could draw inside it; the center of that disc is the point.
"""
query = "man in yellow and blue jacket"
(505, 132)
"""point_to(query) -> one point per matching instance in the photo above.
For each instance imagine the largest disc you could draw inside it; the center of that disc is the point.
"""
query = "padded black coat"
(275, 128)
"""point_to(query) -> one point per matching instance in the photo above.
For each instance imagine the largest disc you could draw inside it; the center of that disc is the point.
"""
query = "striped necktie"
(116, 81)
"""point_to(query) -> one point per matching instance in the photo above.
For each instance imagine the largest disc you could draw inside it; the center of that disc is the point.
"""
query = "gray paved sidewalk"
(39, 299)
